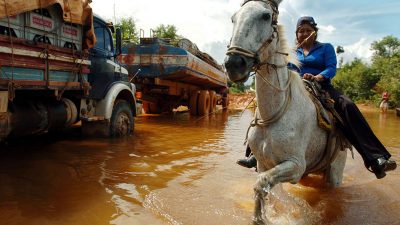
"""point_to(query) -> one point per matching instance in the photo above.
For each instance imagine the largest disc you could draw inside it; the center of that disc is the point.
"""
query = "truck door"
(102, 61)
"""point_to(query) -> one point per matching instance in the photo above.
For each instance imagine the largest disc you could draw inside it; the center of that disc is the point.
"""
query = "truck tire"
(203, 104)
(193, 102)
(213, 101)
(121, 122)
(72, 112)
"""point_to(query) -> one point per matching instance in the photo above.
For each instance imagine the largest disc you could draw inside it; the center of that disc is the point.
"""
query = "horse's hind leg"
(334, 173)
(287, 171)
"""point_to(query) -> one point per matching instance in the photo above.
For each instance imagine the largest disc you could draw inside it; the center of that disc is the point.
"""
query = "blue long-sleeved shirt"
(320, 60)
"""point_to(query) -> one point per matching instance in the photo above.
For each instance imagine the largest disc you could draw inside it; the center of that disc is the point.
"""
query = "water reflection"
(178, 169)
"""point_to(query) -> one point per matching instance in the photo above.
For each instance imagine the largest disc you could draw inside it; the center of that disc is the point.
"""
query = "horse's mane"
(284, 47)
(291, 58)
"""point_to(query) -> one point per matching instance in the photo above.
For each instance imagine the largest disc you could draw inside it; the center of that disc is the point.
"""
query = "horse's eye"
(265, 16)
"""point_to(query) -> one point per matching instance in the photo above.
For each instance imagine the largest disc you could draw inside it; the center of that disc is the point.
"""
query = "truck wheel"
(213, 101)
(193, 102)
(203, 106)
(72, 112)
(121, 122)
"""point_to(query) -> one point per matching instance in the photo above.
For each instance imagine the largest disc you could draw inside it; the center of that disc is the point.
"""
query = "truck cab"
(102, 56)
(111, 104)
(50, 78)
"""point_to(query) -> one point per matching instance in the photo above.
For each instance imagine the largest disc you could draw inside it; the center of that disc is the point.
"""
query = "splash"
(156, 205)
(280, 207)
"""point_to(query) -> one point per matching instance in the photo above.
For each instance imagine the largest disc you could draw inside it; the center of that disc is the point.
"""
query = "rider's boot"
(380, 166)
(248, 162)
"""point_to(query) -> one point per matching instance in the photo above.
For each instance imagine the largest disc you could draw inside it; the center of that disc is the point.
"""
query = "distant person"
(384, 105)
(318, 62)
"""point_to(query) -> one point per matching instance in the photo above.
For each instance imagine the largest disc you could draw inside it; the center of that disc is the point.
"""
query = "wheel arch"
(117, 91)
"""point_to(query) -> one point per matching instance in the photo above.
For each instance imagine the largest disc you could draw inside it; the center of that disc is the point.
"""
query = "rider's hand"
(319, 78)
(308, 76)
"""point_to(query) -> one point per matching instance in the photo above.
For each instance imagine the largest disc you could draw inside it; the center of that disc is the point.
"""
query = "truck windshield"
(103, 37)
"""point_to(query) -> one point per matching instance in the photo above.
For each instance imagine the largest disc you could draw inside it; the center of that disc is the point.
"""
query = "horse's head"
(254, 29)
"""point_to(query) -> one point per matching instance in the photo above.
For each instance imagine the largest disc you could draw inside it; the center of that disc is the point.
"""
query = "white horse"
(286, 141)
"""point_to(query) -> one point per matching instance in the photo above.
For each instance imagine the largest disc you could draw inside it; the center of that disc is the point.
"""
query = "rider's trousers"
(356, 128)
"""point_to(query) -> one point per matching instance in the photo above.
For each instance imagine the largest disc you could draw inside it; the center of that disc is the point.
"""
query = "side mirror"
(118, 41)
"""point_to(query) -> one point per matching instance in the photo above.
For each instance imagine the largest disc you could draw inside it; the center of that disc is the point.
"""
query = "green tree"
(386, 63)
(366, 82)
(236, 87)
(129, 30)
(167, 31)
(356, 80)
(389, 46)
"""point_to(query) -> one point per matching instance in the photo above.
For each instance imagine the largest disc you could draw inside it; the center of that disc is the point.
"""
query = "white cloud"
(360, 49)
(217, 49)
(327, 29)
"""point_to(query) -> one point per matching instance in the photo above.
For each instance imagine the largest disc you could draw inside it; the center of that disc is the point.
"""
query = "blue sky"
(354, 24)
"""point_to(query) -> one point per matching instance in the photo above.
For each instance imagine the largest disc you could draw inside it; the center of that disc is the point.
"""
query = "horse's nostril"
(235, 61)
(241, 61)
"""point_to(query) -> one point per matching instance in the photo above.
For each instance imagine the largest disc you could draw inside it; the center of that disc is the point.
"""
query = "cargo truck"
(58, 67)
(170, 75)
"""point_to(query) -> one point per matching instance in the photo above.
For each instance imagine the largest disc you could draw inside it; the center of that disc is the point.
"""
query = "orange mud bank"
(242, 100)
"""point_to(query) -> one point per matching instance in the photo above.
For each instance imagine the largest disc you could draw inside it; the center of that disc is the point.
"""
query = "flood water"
(180, 170)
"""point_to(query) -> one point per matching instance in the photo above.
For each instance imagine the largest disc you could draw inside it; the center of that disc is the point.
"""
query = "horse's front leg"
(287, 171)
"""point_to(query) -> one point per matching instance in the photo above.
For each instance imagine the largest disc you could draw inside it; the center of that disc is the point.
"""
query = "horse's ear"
(277, 1)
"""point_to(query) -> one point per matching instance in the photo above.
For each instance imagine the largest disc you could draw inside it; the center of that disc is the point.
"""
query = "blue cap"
(306, 19)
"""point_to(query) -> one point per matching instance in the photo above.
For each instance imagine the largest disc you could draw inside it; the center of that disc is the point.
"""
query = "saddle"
(324, 104)
(327, 119)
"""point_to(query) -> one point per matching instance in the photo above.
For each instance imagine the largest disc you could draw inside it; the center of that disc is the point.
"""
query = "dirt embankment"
(240, 101)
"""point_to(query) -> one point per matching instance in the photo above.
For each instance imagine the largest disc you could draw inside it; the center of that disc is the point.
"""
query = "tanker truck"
(58, 68)
(169, 75)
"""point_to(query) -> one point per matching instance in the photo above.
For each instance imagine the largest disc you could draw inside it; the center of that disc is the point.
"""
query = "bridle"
(256, 55)
(258, 63)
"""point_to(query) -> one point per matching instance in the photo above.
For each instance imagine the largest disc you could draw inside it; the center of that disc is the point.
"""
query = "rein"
(275, 67)
(277, 115)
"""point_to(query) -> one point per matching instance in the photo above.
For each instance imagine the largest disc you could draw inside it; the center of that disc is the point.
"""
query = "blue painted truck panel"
(17, 73)
(160, 60)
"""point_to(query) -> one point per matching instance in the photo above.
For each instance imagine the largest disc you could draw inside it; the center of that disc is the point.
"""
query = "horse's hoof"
(258, 221)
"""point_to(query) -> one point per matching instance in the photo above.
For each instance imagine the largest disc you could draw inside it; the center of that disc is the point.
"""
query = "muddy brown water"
(180, 170)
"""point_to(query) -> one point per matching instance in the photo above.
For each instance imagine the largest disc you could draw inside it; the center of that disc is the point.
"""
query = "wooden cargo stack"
(39, 50)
